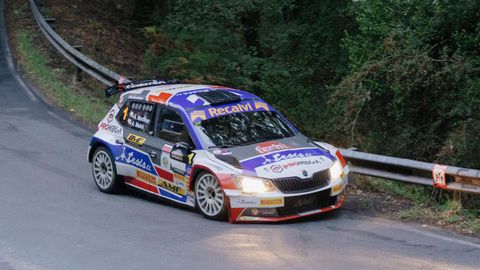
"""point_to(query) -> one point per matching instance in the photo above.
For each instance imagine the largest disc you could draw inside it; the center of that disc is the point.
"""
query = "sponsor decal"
(142, 84)
(180, 184)
(178, 177)
(194, 99)
(439, 176)
(165, 162)
(136, 158)
(248, 218)
(215, 166)
(171, 187)
(188, 170)
(167, 148)
(243, 202)
(177, 170)
(140, 106)
(274, 202)
(221, 152)
(111, 114)
(246, 107)
(267, 147)
(191, 200)
(135, 97)
(276, 168)
(161, 98)
(135, 139)
(195, 115)
(279, 157)
(271, 158)
(305, 201)
(301, 163)
(177, 155)
(117, 130)
(146, 177)
(261, 105)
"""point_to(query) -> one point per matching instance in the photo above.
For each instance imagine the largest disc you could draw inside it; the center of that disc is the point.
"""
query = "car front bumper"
(277, 206)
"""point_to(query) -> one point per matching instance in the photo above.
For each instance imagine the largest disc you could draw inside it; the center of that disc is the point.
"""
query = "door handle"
(119, 142)
(152, 153)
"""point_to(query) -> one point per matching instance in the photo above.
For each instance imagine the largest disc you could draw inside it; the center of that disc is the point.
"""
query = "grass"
(36, 64)
(429, 205)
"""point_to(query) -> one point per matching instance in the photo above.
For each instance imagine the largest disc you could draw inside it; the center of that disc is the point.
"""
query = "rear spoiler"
(128, 86)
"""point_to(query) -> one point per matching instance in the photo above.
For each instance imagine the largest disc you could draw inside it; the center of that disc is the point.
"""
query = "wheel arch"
(196, 171)
(226, 181)
(93, 146)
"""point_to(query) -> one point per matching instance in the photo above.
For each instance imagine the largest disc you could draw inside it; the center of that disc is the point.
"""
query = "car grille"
(296, 184)
(304, 203)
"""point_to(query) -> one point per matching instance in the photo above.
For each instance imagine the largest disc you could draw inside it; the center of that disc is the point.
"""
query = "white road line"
(444, 238)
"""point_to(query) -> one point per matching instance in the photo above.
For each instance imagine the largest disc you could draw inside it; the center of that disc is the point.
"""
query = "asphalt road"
(53, 217)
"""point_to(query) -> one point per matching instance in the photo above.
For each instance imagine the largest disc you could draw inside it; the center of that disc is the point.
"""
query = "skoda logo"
(304, 173)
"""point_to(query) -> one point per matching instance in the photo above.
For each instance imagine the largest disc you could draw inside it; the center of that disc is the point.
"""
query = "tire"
(210, 198)
(104, 171)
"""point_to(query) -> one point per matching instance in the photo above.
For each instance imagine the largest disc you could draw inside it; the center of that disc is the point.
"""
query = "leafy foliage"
(412, 86)
(393, 77)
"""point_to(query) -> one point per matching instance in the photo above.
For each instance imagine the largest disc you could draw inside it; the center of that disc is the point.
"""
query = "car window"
(138, 115)
(170, 127)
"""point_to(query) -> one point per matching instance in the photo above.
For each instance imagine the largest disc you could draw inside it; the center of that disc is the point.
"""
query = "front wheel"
(210, 198)
(104, 171)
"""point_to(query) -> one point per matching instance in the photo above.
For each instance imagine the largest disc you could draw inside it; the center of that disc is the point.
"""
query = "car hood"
(288, 157)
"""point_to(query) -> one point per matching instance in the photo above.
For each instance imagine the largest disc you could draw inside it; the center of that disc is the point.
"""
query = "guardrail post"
(78, 71)
(51, 22)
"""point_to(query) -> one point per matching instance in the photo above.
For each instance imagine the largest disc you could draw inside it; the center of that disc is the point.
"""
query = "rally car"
(223, 151)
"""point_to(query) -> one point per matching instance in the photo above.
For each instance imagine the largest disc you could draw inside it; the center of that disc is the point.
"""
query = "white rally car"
(223, 151)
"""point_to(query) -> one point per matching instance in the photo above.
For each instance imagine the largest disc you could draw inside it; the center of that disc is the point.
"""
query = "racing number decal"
(190, 158)
(125, 113)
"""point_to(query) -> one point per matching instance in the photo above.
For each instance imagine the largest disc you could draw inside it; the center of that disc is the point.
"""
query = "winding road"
(53, 217)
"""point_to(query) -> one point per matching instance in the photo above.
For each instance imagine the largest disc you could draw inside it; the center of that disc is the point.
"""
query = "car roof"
(185, 96)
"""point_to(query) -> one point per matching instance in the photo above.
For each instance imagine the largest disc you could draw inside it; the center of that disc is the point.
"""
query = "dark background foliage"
(387, 76)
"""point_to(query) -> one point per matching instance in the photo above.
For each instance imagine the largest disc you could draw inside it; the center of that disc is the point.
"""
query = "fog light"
(337, 188)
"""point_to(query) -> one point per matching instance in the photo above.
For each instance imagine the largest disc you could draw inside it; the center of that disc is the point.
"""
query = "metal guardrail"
(391, 168)
(414, 172)
(83, 62)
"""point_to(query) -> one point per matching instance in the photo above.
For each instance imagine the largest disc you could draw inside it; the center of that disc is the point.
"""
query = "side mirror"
(182, 152)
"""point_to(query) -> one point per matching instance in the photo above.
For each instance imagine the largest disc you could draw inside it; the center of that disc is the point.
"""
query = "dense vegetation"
(397, 77)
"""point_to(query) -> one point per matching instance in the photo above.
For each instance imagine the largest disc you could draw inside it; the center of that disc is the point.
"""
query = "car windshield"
(242, 129)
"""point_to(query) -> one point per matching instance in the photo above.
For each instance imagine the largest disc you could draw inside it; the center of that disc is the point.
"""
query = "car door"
(173, 170)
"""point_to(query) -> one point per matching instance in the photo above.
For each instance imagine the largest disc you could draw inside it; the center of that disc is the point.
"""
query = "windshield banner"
(201, 114)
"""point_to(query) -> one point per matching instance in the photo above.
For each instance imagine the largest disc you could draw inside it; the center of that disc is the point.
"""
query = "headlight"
(251, 184)
(336, 170)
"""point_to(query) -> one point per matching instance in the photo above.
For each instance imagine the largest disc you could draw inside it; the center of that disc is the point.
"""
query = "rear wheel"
(104, 171)
(210, 198)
